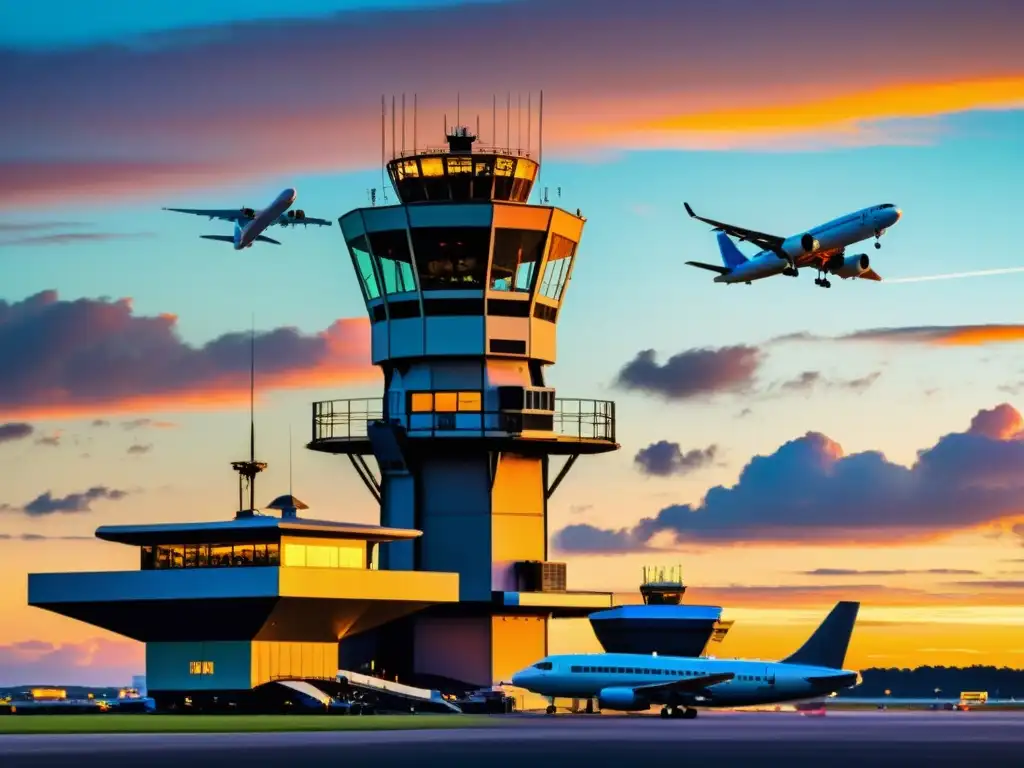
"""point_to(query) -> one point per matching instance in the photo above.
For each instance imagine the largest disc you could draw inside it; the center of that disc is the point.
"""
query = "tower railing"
(572, 419)
(477, 150)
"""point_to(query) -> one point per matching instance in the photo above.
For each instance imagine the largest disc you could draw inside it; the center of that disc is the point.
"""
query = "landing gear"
(791, 272)
(590, 706)
(550, 710)
(678, 713)
(878, 234)
(822, 281)
(877, 244)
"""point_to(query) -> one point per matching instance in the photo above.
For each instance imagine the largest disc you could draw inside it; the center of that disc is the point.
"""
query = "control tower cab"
(464, 283)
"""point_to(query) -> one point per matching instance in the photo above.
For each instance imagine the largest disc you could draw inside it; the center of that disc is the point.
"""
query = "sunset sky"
(788, 446)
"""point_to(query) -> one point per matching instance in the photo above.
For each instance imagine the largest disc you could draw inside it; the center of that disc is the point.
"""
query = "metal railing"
(573, 419)
(477, 150)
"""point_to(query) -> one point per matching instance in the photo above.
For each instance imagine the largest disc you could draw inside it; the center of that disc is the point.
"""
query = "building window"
(324, 556)
(451, 258)
(360, 249)
(517, 252)
(556, 271)
(445, 402)
(391, 249)
(209, 556)
(422, 402)
(200, 667)
(470, 401)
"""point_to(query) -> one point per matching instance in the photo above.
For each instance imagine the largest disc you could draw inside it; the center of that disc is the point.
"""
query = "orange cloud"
(95, 358)
(656, 80)
(941, 335)
(845, 113)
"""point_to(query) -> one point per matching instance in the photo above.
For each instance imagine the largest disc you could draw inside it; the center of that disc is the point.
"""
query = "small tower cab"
(464, 282)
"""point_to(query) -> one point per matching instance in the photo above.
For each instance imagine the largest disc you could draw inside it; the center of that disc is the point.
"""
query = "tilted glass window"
(516, 255)
(556, 271)
(391, 249)
(451, 258)
(360, 249)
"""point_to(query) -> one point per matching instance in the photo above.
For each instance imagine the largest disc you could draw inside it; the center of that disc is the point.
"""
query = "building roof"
(665, 613)
(255, 529)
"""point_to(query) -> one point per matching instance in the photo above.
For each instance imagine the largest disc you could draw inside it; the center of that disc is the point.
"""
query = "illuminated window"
(516, 255)
(446, 402)
(321, 557)
(459, 165)
(422, 401)
(470, 401)
(364, 267)
(294, 555)
(408, 169)
(200, 667)
(504, 166)
(391, 249)
(432, 166)
(556, 271)
(526, 169)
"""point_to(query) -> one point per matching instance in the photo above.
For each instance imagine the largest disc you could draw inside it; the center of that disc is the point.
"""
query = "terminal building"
(464, 282)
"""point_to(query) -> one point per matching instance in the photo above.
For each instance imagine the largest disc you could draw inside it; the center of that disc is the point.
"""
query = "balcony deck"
(579, 427)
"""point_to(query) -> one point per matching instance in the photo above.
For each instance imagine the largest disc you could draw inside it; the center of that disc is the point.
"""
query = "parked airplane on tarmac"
(250, 223)
(634, 682)
(822, 248)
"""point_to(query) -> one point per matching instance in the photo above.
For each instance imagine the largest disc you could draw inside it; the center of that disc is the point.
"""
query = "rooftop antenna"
(508, 121)
(392, 126)
(519, 122)
(458, 108)
(383, 150)
(529, 119)
(247, 470)
(415, 109)
(289, 459)
(403, 125)
(494, 119)
(540, 138)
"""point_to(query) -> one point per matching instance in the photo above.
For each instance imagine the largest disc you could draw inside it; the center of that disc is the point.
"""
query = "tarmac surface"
(872, 739)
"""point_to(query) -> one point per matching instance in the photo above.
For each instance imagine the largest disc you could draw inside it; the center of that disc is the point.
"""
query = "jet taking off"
(822, 248)
(631, 682)
(250, 223)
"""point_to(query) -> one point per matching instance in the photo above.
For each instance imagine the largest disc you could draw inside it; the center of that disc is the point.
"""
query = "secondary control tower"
(663, 624)
(464, 282)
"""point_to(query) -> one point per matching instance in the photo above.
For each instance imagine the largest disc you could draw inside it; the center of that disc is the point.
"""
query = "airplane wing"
(289, 221)
(224, 214)
(685, 684)
(765, 241)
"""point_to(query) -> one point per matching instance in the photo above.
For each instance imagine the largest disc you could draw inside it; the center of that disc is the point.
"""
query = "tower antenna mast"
(247, 470)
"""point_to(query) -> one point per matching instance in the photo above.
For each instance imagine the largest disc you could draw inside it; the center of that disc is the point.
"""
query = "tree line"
(940, 682)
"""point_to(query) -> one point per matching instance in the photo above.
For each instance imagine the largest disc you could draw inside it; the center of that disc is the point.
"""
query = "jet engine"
(849, 266)
(621, 700)
(248, 213)
(799, 245)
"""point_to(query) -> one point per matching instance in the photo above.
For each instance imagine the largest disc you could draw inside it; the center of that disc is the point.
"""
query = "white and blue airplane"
(629, 682)
(822, 248)
(250, 223)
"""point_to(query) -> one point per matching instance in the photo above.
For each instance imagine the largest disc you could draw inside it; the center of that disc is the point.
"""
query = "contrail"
(957, 275)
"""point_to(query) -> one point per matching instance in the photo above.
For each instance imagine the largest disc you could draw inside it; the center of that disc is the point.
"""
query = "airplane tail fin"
(828, 645)
(731, 255)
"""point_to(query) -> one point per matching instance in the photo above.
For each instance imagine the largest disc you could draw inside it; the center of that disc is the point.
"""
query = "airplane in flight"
(822, 248)
(250, 223)
(630, 682)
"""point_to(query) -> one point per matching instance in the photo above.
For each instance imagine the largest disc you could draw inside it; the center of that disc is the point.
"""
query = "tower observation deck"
(464, 282)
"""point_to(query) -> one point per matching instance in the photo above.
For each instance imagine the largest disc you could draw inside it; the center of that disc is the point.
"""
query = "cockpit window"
(543, 665)
(887, 205)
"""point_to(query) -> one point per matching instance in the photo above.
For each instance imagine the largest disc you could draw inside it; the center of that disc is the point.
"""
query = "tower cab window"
(451, 258)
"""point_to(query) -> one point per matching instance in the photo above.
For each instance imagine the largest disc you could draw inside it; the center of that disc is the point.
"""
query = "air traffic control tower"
(464, 282)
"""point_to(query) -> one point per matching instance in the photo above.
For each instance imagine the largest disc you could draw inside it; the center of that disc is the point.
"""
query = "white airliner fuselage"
(617, 680)
(822, 248)
(265, 218)
(250, 224)
(631, 682)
